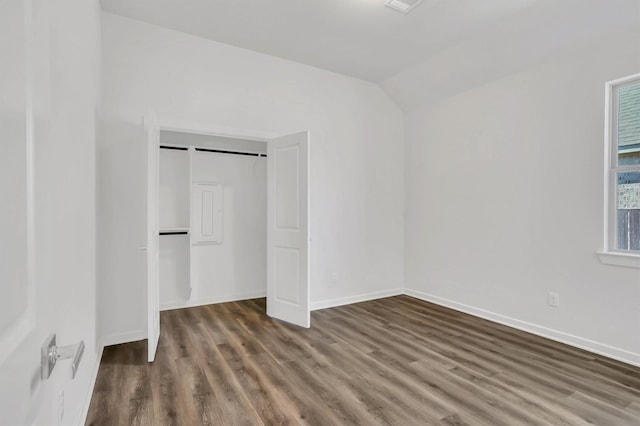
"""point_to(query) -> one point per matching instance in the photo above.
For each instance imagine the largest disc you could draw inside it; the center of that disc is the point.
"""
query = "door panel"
(287, 275)
(21, 326)
(287, 188)
(153, 233)
(288, 229)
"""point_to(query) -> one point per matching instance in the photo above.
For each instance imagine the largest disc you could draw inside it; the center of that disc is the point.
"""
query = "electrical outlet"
(60, 407)
(554, 299)
(334, 277)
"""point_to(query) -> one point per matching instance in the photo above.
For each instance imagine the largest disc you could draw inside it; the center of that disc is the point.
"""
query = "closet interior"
(212, 212)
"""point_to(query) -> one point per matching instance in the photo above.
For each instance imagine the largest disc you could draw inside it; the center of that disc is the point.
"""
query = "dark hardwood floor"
(395, 361)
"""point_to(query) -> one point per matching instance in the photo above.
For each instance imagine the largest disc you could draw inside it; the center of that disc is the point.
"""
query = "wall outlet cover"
(554, 299)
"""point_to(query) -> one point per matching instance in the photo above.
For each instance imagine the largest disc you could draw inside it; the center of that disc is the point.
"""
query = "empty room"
(335, 212)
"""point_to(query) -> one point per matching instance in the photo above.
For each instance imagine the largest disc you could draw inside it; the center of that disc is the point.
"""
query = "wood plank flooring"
(394, 361)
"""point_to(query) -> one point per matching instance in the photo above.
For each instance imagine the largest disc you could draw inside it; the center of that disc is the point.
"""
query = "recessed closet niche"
(212, 219)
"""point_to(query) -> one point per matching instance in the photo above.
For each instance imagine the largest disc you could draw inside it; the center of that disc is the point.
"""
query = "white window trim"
(609, 255)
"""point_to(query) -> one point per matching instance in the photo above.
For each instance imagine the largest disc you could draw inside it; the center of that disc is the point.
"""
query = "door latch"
(51, 353)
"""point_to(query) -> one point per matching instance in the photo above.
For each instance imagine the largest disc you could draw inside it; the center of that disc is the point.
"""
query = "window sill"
(619, 259)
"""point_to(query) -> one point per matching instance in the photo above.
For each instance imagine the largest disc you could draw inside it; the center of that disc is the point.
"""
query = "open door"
(153, 233)
(288, 229)
(24, 397)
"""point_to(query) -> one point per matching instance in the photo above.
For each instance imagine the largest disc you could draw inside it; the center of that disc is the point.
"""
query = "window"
(622, 227)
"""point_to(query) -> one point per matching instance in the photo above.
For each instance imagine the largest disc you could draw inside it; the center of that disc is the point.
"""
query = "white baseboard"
(332, 303)
(179, 304)
(82, 418)
(559, 336)
(130, 336)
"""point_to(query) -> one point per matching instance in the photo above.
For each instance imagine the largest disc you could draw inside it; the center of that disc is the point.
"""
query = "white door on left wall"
(48, 49)
(24, 397)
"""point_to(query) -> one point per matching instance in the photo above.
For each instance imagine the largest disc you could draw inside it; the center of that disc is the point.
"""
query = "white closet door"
(153, 233)
(288, 229)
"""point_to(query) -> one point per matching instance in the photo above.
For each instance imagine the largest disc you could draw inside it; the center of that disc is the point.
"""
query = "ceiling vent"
(403, 6)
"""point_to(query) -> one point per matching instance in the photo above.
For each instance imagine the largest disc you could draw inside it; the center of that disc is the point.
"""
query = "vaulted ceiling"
(361, 38)
(450, 43)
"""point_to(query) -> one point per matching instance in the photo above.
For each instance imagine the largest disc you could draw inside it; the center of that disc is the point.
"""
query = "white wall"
(356, 156)
(121, 224)
(504, 202)
(174, 271)
(236, 268)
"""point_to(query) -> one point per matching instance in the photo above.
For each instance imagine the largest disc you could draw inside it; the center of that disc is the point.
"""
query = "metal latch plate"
(48, 356)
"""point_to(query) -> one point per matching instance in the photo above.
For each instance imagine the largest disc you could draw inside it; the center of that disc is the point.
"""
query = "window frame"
(610, 253)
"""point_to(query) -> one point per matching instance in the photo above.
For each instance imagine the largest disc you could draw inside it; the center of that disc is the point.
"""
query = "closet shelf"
(174, 231)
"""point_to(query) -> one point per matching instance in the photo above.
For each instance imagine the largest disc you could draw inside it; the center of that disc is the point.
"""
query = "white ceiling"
(361, 38)
(548, 30)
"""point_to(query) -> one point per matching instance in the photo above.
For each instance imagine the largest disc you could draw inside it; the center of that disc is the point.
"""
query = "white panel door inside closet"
(288, 229)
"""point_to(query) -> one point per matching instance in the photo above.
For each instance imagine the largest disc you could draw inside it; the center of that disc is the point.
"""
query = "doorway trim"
(215, 130)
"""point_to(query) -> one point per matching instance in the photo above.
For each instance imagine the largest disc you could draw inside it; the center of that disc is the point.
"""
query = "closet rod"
(173, 233)
(219, 151)
(177, 148)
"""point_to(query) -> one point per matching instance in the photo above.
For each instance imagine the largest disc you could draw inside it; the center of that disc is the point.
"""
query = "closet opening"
(227, 220)
(212, 219)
